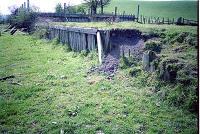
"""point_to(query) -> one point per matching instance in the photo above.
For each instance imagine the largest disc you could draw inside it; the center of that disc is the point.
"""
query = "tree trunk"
(93, 10)
(101, 9)
(101, 6)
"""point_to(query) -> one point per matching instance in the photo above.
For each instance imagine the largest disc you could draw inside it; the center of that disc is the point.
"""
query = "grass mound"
(52, 92)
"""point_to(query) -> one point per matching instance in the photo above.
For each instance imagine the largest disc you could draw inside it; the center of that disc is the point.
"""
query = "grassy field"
(131, 25)
(171, 9)
(52, 91)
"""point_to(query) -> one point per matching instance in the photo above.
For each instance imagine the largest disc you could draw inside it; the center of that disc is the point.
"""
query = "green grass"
(55, 93)
(131, 25)
(171, 9)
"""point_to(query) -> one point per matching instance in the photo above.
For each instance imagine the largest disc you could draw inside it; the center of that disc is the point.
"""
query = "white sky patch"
(44, 5)
(47, 5)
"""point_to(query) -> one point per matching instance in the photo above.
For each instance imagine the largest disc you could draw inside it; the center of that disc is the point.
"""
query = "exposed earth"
(123, 43)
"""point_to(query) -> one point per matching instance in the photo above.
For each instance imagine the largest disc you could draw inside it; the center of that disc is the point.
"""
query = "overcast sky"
(44, 5)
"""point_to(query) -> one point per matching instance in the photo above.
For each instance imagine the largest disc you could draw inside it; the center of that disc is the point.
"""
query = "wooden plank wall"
(78, 39)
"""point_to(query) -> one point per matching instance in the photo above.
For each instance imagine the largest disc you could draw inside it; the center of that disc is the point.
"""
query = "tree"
(94, 4)
(22, 18)
(80, 9)
(59, 8)
(104, 3)
(1, 18)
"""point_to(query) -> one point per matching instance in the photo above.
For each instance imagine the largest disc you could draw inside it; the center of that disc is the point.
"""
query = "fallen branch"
(7, 77)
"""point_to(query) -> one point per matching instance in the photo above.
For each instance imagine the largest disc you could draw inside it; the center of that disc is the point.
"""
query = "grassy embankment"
(131, 25)
(52, 91)
(171, 9)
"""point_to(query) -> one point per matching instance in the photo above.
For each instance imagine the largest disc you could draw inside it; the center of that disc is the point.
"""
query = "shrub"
(84, 53)
(168, 68)
(185, 97)
(55, 41)
(134, 71)
(40, 33)
(21, 18)
(153, 46)
(126, 62)
(188, 75)
(92, 55)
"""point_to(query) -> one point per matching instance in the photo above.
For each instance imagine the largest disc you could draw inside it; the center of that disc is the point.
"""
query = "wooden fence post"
(149, 20)
(64, 8)
(99, 45)
(115, 11)
(28, 5)
(123, 15)
(144, 19)
(24, 5)
(138, 13)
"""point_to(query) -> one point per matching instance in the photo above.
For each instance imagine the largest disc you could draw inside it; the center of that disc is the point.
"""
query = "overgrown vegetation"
(22, 19)
(51, 92)
(175, 68)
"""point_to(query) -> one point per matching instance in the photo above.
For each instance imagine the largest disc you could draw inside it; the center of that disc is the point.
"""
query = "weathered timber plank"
(77, 29)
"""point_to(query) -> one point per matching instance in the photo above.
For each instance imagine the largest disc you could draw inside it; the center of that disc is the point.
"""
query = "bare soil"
(127, 43)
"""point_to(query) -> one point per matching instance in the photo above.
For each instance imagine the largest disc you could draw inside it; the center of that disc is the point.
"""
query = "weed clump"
(126, 62)
(84, 53)
(153, 46)
(40, 33)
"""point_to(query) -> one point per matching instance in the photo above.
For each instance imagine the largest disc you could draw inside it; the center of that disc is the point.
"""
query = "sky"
(44, 5)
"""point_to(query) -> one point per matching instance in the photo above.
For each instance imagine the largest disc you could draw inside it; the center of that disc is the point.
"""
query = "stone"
(147, 59)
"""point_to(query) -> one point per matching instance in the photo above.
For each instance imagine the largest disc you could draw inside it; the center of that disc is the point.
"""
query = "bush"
(168, 69)
(21, 18)
(40, 33)
(128, 62)
(153, 46)
(84, 53)
(185, 97)
(134, 71)
(187, 75)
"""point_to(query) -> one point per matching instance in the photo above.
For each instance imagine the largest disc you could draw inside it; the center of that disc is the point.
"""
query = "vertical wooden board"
(80, 41)
(61, 34)
(107, 38)
(83, 41)
(53, 31)
(70, 42)
(93, 42)
(77, 41)
(52, 34)
(67, 37)
(89, 42)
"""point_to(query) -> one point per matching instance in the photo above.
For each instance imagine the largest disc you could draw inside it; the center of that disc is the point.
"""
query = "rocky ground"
(122, 44)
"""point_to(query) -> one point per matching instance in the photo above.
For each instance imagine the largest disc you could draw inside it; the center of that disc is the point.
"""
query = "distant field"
(171, 9)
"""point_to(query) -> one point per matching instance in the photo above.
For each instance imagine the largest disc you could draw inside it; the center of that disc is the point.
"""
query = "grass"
(171, 9)
(55, 93)
(131, 25)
